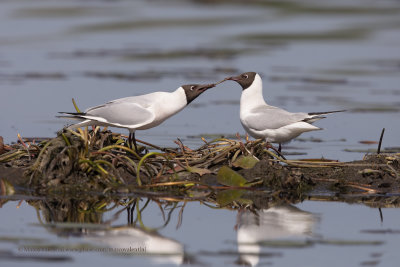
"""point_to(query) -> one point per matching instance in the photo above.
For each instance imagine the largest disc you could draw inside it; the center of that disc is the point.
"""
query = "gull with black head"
(138, 112)
(274, 124)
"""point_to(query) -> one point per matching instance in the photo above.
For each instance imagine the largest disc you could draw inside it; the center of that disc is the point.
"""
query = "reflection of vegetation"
(57, 12)
(341, 34)
(68, 210)
(137, 54)
(83, 217)
(313, 7)
(71, 214)
(154, 23)
(358, 106)
(284, 6)
(222, 53)
(150, 74)
(373, 200)
(316, 8)
(18, 77)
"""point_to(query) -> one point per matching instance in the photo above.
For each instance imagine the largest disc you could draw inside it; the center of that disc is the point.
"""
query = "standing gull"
(139, 112)
(274, 124)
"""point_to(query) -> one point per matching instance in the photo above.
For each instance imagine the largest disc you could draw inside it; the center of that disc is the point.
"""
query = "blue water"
(313, 57)
(311, 233)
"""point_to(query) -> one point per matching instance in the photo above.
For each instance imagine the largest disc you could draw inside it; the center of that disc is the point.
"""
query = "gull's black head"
(194, 90)
(245, 79)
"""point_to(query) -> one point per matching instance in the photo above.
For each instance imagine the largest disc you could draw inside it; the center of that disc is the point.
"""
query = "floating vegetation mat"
(225, 171)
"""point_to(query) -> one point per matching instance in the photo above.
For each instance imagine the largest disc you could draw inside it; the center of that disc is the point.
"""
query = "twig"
(269, 145)
(380, 141)
(183, 150)
(25, 146)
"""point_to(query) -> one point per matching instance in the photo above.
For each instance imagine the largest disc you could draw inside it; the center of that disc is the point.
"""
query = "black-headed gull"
(139, 112)
(274, 124)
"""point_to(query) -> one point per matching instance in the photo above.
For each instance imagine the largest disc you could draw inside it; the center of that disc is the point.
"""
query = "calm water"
(307, 234)
(312, 56)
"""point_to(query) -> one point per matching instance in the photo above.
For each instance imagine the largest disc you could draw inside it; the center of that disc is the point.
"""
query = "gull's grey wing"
(121, 113)
(142, 100)
(270, 117)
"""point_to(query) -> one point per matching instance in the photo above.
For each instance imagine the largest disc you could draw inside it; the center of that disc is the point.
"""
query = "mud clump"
(378, 173)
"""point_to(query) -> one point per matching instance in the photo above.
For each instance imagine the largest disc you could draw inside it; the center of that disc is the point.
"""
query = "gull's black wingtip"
(72, 113)
(326, 112)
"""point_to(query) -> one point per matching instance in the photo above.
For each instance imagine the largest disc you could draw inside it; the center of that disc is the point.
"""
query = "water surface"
(312, 56)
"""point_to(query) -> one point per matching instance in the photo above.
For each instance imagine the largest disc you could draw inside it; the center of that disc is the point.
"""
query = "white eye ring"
(246, 76)
(191, 88)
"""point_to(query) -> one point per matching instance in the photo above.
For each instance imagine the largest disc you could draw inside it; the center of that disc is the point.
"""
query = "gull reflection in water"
(275, 223)
(130, 240)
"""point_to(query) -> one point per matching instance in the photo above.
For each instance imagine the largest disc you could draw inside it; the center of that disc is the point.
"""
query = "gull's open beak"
(234, 78)
(204, 87)
(222, 81)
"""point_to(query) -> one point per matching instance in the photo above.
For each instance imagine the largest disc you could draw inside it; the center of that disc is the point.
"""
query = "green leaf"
(245, 162)
(7, 187)
(76, 106)
(199, 171)
(229, 177)
(227, 196)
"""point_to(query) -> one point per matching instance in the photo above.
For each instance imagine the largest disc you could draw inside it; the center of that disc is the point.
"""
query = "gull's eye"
(245, 76)
(192, 88)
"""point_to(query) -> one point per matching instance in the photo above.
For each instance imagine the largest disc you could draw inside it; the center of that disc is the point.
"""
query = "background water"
(312, 55)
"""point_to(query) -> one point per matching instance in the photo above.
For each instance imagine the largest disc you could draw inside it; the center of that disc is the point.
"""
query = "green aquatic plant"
(95, 160)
